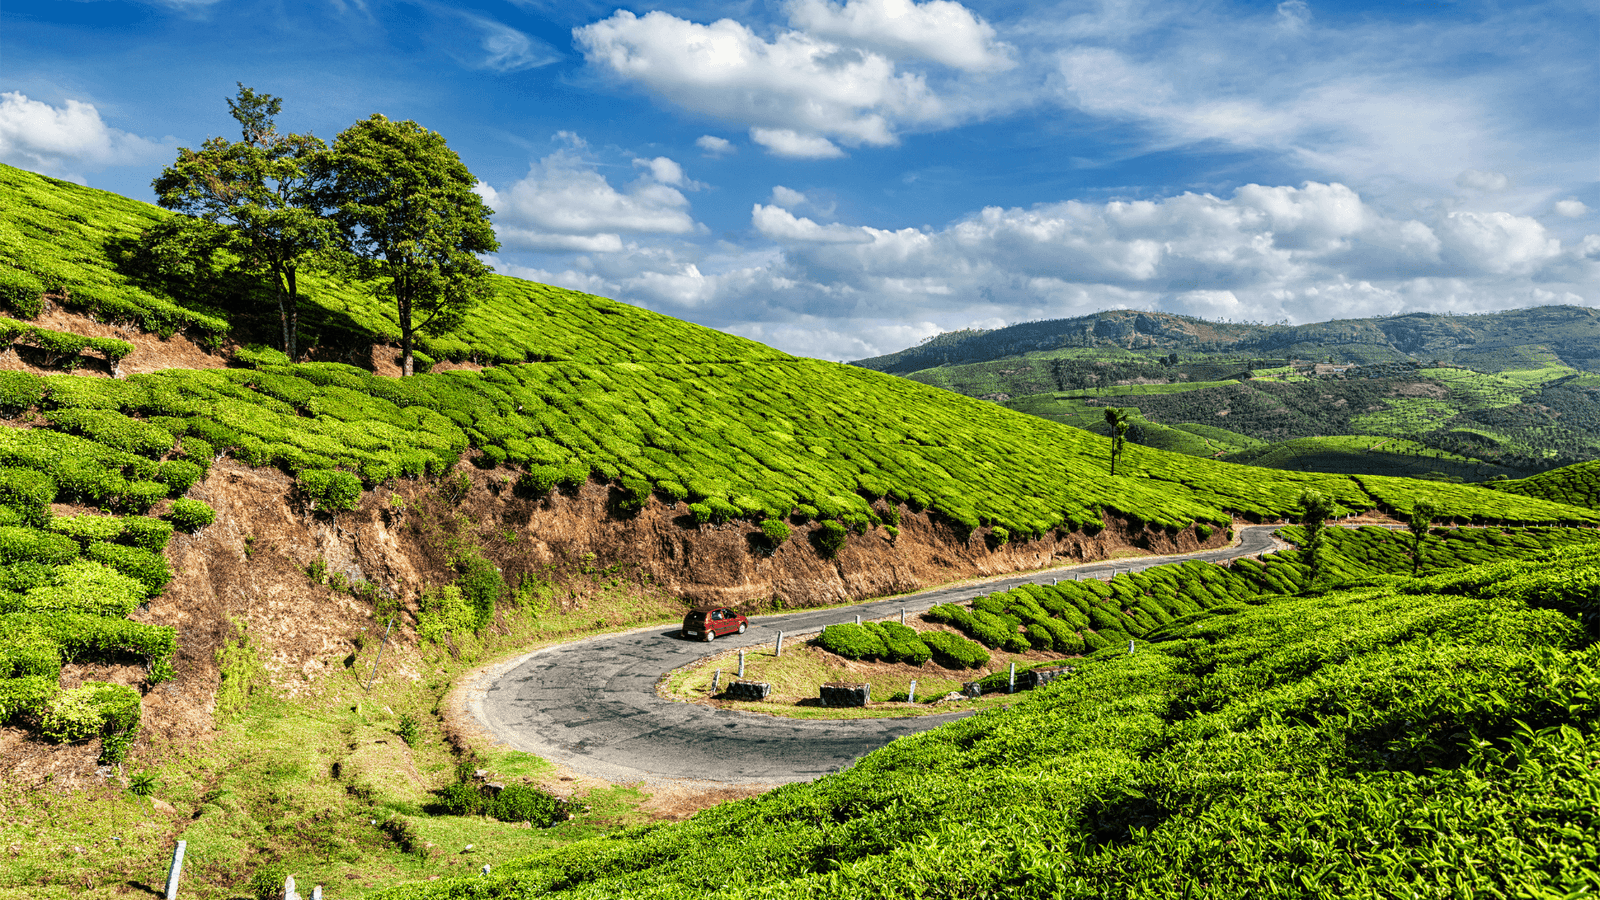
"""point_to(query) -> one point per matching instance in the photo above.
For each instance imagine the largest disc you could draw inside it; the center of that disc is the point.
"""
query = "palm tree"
(1118, 420)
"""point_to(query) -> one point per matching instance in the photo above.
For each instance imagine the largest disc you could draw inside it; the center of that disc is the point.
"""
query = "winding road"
(592, 705)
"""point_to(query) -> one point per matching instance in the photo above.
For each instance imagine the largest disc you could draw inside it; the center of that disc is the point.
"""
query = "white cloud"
(564, 204)
(938, 30)
(1482, 181)
(792, 144)
(68, 140)
(777, 224)
(1294, 15)
(787, 197)
(664, 170)
(715, 146)
(798, 93)
(1571, 209)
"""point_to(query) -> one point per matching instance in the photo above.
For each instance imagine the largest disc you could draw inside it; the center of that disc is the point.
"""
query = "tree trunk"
(407, 366)
(294, 316)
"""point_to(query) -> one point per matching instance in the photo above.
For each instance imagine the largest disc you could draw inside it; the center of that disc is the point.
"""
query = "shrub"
(333, 490)
(524, 803)
(774, 532)
(444, 612)
(29, 492)
(460, 798)
(831, 537)
(953, 651)
(178, 475)
(87, 528)
(999, 536)
(259, 356)
(538, 481)
(19, 544)
(481, 586)
(149, 568)
(21, 292)
(20, 391)
(635, 491)
(852, 642)
(87, 587)
(146, 532)
(903, 644)
(191, 515)
(95, 708)
(1202, 532)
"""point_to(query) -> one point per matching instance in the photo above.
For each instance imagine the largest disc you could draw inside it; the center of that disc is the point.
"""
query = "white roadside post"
(778, 651)
(911, 695)
(741, 663)
(1011, 688)
(175, 870)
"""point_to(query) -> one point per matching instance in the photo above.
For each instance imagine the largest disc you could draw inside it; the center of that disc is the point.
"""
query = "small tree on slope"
(1419, 523)
(1314, 512)
(262, 191)
(1118, 420)
(406, 209)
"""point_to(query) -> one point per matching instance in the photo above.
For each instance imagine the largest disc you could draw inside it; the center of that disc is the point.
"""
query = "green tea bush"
(444, 613)
(91, 710)
(113, 429)
(831, 537)
(20, 544)
(901, 644)
(19, 391)
(28, 491)
(87, 528)
(178, 475)
(330, 490)
(518, 802)
(21, 292)
(851, 641)
(774, 532)
(149, 568)
(146, 533)
(191, 515)
(88, 587)
(953, 651)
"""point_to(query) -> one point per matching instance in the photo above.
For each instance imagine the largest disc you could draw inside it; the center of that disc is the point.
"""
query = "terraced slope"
(1577, 485)
(77, 244)
(1442, 734)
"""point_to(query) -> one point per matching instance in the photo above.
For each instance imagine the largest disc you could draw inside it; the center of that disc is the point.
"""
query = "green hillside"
(78, 245)
(1428, 737)
(1577, 485)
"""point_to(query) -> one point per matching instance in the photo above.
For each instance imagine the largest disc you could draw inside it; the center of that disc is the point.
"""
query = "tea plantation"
(1430, 737)
(1577, 485)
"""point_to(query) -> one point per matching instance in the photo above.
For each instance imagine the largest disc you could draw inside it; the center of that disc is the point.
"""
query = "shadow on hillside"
(246, 301)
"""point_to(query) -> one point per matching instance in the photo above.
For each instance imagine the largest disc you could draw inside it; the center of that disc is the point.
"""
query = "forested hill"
(1492, 342)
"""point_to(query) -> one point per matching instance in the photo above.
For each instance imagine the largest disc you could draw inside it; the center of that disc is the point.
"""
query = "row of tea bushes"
(1577, 485)
(1084, 616)
(62, 346)
(891, 642)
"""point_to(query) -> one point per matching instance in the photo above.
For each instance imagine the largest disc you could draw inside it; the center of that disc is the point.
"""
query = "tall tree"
(1118, 420)
(1420, 522)
(407, 211)
(1314, 512)
(262, 190)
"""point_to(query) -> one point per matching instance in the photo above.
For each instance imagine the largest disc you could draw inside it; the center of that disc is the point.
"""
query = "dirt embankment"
(250, 568)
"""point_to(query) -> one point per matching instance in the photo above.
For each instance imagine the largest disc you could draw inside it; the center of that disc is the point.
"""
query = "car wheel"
(741, 628)
(710, 635)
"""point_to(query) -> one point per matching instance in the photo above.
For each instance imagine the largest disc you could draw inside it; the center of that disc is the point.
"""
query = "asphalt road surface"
(592, 704)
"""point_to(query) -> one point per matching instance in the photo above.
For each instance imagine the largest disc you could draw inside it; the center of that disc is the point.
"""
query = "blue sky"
(841, 178)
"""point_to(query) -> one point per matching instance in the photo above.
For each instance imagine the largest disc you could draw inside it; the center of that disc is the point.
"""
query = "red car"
(709, 621)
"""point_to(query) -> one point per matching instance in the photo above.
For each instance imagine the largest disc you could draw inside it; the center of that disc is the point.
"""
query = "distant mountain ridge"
(1490, 342)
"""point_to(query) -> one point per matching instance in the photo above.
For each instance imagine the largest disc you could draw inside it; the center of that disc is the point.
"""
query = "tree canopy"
(256, 197)
(406, 210)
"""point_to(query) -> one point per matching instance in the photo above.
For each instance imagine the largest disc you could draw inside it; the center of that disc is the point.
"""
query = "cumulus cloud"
(68, 140)
(1571, 209)
(565, 204)
(938, 30)
(787, 197)
(778, 224)
(798, 93)
(715, 146)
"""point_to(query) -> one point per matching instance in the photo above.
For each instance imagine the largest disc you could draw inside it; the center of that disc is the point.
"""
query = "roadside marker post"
(1011, 688)
(289, 893)
(858, 619)
(1130, 648)
(902, 615)
(716, 681)
(778, 651)
(741, 663)
(175, 870)
(911, 695)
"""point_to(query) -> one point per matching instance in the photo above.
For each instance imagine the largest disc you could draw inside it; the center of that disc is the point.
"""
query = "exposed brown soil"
(250, 568)
(150, 352)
